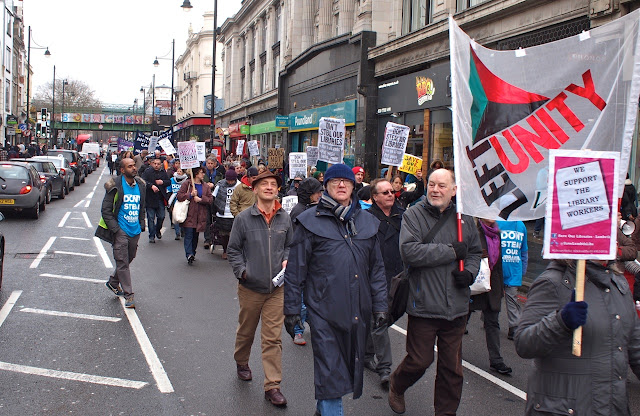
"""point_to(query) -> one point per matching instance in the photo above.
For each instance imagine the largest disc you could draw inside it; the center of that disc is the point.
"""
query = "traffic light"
(44, 131)
(43, 112)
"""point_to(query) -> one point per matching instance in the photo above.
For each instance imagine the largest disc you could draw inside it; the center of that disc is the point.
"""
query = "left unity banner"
(511, 107)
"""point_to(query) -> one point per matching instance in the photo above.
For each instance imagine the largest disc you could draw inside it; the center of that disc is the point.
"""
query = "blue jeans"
(330, 407)
(176, 228)
(190, 241)
(303, 317)
(154, 225)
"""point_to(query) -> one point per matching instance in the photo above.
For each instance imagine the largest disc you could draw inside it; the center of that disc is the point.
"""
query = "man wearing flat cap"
(258, 250)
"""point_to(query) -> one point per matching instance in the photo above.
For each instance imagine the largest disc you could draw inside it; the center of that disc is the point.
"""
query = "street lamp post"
(64, 83)
(47, 54)
(52, 117)
(173, 64)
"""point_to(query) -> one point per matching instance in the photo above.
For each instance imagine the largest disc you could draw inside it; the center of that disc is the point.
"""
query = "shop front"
(267, 135)
(420, 100)
(237, 131)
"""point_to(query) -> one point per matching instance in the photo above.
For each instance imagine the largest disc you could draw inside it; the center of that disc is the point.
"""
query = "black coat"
(156, 199)
(628, 205)
(389, 239)
(344, 282)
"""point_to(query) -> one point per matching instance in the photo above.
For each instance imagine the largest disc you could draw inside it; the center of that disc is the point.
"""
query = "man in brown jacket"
(243, 196)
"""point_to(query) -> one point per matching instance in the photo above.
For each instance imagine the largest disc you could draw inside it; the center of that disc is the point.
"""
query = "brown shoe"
(244, 372)
(396, 401)
(275, 397)
(224, 256)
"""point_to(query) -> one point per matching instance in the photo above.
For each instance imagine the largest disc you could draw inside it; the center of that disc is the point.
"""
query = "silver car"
(21, 189)
(64, 168)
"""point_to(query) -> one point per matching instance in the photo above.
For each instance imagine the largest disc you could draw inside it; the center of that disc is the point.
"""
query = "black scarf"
(343, 213)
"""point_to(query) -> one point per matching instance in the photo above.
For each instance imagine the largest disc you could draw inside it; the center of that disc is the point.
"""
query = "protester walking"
(157, 182)
(222, 199)
(213, 173)
(243, 196)
(177, 180)
(336, 259)
(438, 301)
(121, 224)
(258, 250)
(199, 196)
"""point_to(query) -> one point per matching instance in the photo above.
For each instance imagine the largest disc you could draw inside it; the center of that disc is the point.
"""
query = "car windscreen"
(67, 155)
(38, 165)
(14, 172)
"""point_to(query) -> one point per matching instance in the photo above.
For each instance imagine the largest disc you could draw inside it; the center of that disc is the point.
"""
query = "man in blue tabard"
(121, 224)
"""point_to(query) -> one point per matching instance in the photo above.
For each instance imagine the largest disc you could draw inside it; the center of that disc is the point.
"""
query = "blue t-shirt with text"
(129, 214)
(515, 252)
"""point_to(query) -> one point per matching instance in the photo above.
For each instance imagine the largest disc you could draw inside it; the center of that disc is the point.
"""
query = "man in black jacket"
(157, 182)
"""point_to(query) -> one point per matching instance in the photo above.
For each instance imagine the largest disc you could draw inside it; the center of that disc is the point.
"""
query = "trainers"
(191, 259)
(177, 237)
(129, 303)
(299, 340)
(501, 368)
(207, 245)
(159, 235)
(115, 289)
(384, 380)
(152, 241)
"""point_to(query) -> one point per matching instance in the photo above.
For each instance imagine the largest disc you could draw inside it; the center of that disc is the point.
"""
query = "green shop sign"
(308, 119)
(268, 127)
(245, 129)
(282, 122)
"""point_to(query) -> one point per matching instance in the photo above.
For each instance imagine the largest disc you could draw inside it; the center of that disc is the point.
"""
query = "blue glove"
(574, 314)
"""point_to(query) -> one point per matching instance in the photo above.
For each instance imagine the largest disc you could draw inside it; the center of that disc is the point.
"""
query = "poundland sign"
(308, 120)
(304, 120)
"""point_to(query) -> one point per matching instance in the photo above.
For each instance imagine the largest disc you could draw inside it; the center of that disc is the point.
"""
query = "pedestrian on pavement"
(335, 259)
(121, 224)
(243, 196)
(110, 162)
(176, 182)
(222, 199)
(258, 251)
(490, 303)
(438, 301)
(388, 211)
(199, 196)
(157, 182)
(515, 258)
(596, 382)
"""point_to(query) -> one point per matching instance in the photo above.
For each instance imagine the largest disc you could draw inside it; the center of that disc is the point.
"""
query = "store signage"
(309, 119)
(282, 122)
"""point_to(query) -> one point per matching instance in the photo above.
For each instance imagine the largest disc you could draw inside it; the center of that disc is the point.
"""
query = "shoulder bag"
(180, 210)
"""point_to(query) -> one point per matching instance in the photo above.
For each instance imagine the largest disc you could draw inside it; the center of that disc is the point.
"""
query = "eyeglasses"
(337, 181)
(387, 192)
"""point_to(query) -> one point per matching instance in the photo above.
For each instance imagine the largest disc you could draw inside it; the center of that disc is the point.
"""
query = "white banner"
(188, 154)
(240, 147)
(510, 108)
(153, 143)
(167, 146)
(312, 155)
(395, 141)
(297, 164)
(201, 148)
(253, 148)
(331, 134)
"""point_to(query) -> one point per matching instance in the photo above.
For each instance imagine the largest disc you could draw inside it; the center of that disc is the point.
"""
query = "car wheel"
(83, 179)
(35, 211)
(63, 192)
(66, 189)
(48, 199)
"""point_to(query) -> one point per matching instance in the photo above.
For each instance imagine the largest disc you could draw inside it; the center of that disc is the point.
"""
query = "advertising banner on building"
(583, 205)
(331, 134)
(511, 108)
(394, 144)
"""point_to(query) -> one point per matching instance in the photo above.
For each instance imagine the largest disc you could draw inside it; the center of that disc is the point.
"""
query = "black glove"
(460, 247)
(379, 319)
(574, 314)
(462, 279)
(290, 322)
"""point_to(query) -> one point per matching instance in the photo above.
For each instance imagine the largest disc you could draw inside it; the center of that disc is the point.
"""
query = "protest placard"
(395, 141)
(167, 146)
(410, 164)
(297, 164)
(188, 154)
(253, 148)
(288, 202)
(153, 143)
(331, 134)
(582, 205)
(312, 155)
(240, 147)
(275, 158)
(202, 151)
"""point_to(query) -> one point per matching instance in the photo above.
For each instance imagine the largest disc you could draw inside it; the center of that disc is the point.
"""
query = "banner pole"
(577, 333)
(459, 221)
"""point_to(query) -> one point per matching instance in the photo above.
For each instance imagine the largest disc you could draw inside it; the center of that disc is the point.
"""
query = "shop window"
(416, 14)
(442, 143)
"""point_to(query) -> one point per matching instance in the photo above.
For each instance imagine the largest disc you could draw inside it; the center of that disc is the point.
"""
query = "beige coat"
(242, 198)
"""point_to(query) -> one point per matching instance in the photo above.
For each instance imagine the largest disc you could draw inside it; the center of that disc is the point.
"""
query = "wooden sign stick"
(577, 333)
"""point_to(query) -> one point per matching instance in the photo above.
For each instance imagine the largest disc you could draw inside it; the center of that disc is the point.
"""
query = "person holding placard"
(199, 196)
(404, 197)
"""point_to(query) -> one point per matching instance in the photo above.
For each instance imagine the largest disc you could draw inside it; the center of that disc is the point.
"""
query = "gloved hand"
(290, 322)
(379, 319)
(462, 279)
(460, 247)
(574, 314)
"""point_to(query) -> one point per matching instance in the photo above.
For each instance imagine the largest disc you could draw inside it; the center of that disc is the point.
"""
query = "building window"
(276, 71)
(263, 79)
(7, 59)
(9, 26)
(465, 4)
(415, 15)
(276, 24)
(7, 95)
(251, 75)
(263, 46)
(242, 86)
(335, 24)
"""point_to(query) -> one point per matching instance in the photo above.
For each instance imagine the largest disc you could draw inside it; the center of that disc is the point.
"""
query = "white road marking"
(60, 276)
(164, 384)
(86, 219)
(77, 228)
(13, 298)
(88, 203)
(103, 253)
(64, 219)
(76, 238)
(489, 377)
(67, 375)
(71, 253)
(36, 262)
(78, 203)
(71, 315)
(90, 194)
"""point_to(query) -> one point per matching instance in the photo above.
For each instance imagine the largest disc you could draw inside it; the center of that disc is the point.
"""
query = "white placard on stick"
(167, 146)
(240, 147)
(253, 148)
(201, 148)
(297, 164)
(188, 154)
(312, 155)
(331, 135)
(395, 141)
(288, 202)
(153, 143)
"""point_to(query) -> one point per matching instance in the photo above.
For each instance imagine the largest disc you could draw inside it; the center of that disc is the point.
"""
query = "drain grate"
(33, 256)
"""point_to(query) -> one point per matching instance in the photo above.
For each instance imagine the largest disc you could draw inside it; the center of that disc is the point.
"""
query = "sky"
(111, 45)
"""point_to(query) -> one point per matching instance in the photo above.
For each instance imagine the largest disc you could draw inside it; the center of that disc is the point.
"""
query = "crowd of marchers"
(334, 264)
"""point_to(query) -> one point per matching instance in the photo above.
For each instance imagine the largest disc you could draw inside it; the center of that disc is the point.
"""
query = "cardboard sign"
(395, 141)
(275, 158)
(410, 164)
(188, 154)
(288, 202)
(581, 220)
(167, 146)
(240, 147)
(297, 164)
(202, 151)
(312, 155)
(253, 148)
(331, 135)
(153, 143)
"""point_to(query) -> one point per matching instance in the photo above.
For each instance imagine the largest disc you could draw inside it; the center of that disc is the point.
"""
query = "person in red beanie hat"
(358, 171)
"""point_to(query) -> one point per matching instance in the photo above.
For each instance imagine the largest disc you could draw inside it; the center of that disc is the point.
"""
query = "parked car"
(55, 180)
(96, 158)
(21, 189)
(86, 162)
(64, 169)
(74, 160)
